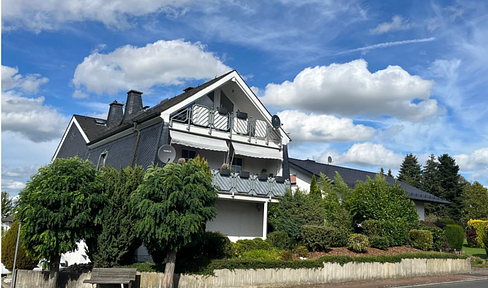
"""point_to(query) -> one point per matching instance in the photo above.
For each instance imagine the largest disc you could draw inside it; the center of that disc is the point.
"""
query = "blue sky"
(365, 82)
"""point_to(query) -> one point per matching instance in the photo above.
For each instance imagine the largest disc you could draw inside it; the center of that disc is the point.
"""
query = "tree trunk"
(169, 270)
(54, 270)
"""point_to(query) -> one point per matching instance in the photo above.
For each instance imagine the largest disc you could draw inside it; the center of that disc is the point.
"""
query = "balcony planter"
(223, 111)
(241, 115)
(280, 179)
(225, 172)
(244, 174)
(263, 177)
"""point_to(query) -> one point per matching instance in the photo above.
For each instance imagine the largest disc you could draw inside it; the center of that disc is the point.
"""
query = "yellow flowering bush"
(481, 227)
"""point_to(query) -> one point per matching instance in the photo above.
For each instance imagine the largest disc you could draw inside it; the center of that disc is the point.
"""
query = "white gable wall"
(303, 179)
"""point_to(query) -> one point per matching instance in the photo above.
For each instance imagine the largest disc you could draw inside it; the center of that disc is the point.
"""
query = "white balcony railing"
(233, 123)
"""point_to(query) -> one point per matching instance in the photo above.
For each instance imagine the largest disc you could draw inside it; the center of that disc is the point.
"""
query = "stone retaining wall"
(331, 272)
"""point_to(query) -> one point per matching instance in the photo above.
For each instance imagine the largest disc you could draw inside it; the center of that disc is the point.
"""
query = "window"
(236, 165)
(102, 159)
(188, 154)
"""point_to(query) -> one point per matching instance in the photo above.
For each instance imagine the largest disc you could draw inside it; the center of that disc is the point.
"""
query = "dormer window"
(102, 159)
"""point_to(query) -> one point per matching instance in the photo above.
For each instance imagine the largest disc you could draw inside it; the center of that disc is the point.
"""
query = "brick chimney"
(133, 104)
(115, 114)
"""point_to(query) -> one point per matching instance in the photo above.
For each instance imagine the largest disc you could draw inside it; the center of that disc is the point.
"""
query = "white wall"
(420, 207)
(303, 180)
(238, 219)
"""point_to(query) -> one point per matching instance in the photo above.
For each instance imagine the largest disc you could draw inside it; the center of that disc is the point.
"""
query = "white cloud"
(474, 161)
(322, 128)
(79, 94)
(351, 89)
(31, 118)
(387, 44)
(12, 185)
(11, 79)
(159, 63)
(48, 15)
(366, 154)
(397, 24)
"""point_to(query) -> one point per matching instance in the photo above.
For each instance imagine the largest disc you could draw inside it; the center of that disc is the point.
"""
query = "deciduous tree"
(475, 202)
(58, 208)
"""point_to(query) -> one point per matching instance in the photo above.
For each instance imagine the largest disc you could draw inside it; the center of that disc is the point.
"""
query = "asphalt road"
(461, 284)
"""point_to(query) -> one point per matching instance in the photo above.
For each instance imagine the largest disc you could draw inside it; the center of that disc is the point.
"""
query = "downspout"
(135, 145)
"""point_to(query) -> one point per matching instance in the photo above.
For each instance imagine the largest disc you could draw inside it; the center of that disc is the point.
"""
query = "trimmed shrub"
(358, 243)
(455, 236)
(340, 238)
(246, 245)
(421, 239)
(279, 239)
(318, 238)
(471, 236)
(380, 242)
(444, 222)
(286, 255)
(9, 240)
(395, 230)
(371, 227)
(301, 251)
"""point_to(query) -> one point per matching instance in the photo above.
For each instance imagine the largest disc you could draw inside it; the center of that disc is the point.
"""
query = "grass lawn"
(480, 252)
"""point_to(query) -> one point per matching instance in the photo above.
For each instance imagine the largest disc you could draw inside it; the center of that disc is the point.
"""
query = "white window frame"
(102, 159)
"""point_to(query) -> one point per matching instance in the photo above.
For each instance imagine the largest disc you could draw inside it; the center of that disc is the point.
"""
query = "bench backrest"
(114, 273)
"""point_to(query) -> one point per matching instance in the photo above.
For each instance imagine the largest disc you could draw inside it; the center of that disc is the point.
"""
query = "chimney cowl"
(115, 114)
(133, 105)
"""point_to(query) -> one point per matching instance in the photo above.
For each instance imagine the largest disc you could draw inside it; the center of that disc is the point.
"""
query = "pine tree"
(410, 171)
(314, 188)
(431, 184)
(452, 188)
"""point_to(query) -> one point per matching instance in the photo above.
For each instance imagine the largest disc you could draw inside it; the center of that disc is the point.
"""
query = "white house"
(302, 171)
(221, 120)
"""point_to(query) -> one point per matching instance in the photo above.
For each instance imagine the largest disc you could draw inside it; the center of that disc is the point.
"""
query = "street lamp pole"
(14, 271)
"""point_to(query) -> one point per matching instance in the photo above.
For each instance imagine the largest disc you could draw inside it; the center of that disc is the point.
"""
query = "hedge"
(235, 263)
(481, 227)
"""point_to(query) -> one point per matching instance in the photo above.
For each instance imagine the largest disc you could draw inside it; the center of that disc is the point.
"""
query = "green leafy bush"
(371, 227)
(9, 241)
(318, 238)
(380, 242)
(279, 239)
(286, 255)
(246, 245)
(439, 238)
(358, 243)
(271, 254)
(340, 238)
(211, 245)
(396, 230)
(455, 236)
(421, 239)
(301, 251)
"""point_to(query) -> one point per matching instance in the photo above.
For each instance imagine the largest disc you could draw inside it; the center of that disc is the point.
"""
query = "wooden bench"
(112, 276)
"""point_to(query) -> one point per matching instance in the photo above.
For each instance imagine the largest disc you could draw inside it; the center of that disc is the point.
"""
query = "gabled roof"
(149, 113)
(90, 127)
(351, 176)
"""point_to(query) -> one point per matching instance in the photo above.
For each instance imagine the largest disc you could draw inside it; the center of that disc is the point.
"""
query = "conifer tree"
(172, 207)
(431, 184)
(410, 171)
(315, 189)
(451, 184)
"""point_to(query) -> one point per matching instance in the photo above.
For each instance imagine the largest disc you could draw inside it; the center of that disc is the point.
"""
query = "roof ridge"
(343, 167)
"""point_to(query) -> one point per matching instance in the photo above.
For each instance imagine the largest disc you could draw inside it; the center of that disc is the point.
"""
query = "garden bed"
(336, 251)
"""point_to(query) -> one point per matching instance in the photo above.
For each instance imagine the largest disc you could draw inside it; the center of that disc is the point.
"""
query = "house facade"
(302, 170)
(221, 120)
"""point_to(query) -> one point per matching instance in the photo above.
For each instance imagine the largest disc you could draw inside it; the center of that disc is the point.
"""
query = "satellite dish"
(275, 121)
(166, 153)
(329, 159)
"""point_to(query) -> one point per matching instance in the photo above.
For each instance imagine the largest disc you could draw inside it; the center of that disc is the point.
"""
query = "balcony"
(234, 123)
(250, 185)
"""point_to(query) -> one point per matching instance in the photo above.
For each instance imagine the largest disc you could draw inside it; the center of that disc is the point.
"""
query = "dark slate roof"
(90, 127)
(95, 134)
(351, 176)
